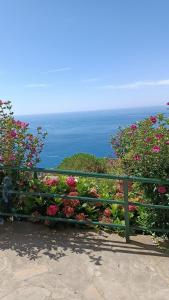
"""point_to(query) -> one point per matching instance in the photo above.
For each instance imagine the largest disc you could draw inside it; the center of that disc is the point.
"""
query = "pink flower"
(68, 211)
(148, 139)
(137, 157)
(13, 133)
(52, 181)
(132, 208)
(74, 194)
(159, 136)
(162, 189)
(4, 102)
(156, 149)
(107, 212)
(71, 181)
(52, 210)
(12, 157)
(80, 217)
(29, 164)
(1, 158)
(167, 142)
(133, 126)
(153, 119)
(20, 124)
(71, 202)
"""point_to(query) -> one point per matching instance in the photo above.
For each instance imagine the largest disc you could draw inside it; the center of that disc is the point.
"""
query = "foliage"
(73, 207)
(84, 162)
(144, 151)
(19, 147)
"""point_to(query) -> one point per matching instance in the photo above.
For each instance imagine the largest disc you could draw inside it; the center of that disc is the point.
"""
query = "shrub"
(84, 162)
(72, 208)
(19, 147)
(143, 149)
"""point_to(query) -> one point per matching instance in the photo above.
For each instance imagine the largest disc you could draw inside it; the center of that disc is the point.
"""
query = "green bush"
(143, 149)
(84, 162)
(71, 208)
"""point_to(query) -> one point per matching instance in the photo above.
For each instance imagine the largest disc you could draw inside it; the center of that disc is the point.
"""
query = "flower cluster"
(70, 204)
(18, 146)
(143, 149)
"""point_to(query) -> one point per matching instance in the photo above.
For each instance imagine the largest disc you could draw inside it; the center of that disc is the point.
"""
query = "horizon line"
(88, 111)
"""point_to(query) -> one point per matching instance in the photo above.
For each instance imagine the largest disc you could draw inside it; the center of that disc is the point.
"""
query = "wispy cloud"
(137, 84)
(36, 85)
(93, 79)
(63, 69)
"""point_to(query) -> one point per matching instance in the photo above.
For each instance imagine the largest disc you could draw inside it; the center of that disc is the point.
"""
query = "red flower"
(93, 193)
(74, 202)
(137, 157)
(68, 211)
(71, 181)
(80, 217)
(73, 194)
(52, 210)
(52, 181)
(156, 149)
(133, 126)
(148, 139)
(13, 134)
(153, 119)
(162, 189)
(132, 208)
(159, 136)
(107, 212)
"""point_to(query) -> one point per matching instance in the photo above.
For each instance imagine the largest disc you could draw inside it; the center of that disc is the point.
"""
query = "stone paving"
(39, 263)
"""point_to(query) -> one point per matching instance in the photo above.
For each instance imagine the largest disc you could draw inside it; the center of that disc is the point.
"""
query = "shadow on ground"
(35, 240)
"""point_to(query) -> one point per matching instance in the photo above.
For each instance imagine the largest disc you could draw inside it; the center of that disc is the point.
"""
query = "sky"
(80, 55)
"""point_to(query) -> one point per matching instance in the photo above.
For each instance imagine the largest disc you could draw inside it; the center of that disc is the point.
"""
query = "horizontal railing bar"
(88, 199)
(88, 222)
(83, 174)
(50, 195)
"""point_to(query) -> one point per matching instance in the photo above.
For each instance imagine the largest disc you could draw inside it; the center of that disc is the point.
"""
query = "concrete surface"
(39, 263)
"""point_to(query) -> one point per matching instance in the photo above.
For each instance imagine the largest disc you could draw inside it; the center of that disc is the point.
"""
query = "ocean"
(87, 132)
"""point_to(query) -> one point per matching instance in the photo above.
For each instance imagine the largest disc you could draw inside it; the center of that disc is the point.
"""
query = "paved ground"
(37, 263)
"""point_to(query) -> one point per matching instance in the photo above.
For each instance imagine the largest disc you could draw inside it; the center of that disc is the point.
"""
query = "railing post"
(126, 212)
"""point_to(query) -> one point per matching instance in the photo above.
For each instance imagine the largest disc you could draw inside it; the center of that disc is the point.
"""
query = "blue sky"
(74, 55)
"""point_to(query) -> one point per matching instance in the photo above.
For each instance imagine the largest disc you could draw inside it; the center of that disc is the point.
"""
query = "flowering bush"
(73, 208)
(19, 147)
(144, 147)
(144, 151)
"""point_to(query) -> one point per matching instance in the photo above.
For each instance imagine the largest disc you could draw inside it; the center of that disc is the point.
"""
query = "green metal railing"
(125, 203)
